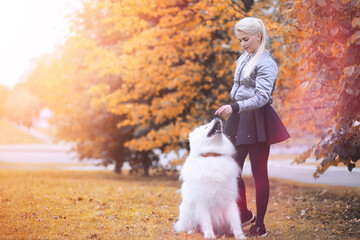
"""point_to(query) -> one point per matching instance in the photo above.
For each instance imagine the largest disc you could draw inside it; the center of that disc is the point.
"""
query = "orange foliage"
(175, 66)
(176, 72)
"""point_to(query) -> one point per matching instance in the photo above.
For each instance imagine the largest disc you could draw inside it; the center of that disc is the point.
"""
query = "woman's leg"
(259, 154)
(241, 153)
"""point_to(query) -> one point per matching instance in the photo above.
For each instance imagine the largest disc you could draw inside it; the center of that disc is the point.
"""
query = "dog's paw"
(209, 235)
(177, 227)
(239, 235)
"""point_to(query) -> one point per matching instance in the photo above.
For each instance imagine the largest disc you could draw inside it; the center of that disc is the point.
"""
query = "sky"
(28, 29)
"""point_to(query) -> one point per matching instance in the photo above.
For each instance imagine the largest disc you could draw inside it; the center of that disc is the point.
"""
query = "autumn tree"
(326, 99)
(177, 70)
(110, 55)
(174, 71)
(66, 87)
(152, 69)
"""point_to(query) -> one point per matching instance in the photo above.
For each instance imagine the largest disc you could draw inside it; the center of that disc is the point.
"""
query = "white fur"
(209, 190)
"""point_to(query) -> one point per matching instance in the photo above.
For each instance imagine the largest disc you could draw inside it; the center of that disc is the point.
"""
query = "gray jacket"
(255, 91)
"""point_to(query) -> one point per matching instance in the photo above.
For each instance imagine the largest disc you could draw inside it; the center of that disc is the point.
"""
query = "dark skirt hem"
(260, 125)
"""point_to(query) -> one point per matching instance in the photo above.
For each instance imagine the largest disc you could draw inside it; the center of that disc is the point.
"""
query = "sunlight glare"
(11, 21)
(29, 29)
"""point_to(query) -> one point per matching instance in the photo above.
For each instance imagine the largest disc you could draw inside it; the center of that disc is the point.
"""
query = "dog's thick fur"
(209, 189)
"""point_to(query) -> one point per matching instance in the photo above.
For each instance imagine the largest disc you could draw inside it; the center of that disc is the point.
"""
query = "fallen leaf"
(303, 212)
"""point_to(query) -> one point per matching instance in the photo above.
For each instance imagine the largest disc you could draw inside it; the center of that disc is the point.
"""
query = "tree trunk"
(146, 164)
(118, 166)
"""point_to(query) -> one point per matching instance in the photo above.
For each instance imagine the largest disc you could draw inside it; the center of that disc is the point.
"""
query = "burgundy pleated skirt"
(260, 125)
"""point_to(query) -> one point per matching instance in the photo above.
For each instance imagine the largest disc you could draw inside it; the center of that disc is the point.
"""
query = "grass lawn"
(54, 204)
(10, 134)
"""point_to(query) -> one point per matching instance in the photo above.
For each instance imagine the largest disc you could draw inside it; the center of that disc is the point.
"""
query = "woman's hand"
(224, 110)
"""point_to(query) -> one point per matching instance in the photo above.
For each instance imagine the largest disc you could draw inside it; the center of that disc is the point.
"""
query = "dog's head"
(209, 138)
(207, 132)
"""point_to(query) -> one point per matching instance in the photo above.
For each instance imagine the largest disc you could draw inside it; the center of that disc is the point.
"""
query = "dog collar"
(211, 154)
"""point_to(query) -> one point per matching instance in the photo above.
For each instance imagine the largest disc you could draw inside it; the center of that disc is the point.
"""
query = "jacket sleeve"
(266, 73)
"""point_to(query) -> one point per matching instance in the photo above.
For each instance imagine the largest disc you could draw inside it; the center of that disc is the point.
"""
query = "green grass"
(55, 204)
(10, 134)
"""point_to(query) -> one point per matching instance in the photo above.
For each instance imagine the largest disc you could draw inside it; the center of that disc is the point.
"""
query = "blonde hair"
(251, 25)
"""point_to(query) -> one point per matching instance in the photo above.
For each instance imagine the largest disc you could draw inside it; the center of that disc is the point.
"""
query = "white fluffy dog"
(209, 190)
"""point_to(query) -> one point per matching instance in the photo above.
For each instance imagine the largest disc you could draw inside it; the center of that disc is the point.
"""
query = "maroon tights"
(259, 154)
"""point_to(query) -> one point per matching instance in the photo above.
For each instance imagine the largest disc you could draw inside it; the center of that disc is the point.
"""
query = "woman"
(253, 125)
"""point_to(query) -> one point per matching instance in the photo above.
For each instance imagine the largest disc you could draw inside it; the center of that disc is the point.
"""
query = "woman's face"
(250, 42)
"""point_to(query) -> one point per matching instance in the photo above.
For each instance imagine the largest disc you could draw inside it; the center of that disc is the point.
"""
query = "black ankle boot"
(247, 219)
(256, 230)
